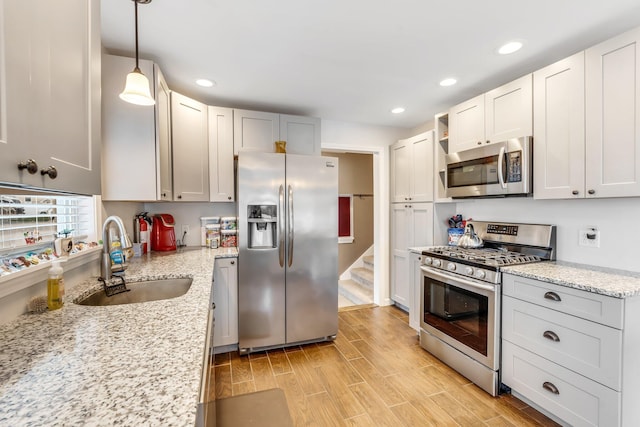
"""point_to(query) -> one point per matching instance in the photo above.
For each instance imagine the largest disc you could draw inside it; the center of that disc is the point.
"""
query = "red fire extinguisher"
(142, 235)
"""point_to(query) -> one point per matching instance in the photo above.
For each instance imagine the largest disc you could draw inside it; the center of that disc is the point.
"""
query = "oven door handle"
(462, 280)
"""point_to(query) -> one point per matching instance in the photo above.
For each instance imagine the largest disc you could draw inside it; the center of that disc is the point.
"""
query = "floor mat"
(266, 408)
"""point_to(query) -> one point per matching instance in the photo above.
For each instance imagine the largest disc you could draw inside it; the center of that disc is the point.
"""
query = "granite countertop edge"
(132, 364)
(604, 281)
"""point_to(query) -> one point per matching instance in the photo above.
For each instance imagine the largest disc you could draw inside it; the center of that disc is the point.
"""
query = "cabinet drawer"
(578, 401)
(584, 304)
(585, 347)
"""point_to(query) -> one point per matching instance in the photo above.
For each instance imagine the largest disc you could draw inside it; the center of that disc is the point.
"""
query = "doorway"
(380, 214)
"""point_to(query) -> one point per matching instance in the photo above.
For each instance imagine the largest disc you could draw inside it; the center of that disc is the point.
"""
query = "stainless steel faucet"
(106, 271)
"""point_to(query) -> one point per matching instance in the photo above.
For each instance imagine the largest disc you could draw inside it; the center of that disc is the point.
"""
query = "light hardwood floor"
(374, 374)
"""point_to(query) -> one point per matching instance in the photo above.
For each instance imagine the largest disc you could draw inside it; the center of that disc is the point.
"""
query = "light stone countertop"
(600, 280)
(132, 364)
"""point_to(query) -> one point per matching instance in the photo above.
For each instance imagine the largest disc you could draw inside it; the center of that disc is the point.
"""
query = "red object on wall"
(344, 216)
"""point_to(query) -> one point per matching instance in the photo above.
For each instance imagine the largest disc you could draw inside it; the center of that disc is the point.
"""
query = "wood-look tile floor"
(374, 374)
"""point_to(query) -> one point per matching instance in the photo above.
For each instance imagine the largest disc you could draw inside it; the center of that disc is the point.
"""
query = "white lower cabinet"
(225, 298)
(571, 397)
(572, 352)
(411, 225)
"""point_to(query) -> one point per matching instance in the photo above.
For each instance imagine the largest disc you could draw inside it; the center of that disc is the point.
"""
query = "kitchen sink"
(145, 291)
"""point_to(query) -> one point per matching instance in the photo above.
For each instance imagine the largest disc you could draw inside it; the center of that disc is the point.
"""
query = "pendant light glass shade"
(136, 90)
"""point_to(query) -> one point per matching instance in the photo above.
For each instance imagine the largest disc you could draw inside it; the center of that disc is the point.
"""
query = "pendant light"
(136, 90)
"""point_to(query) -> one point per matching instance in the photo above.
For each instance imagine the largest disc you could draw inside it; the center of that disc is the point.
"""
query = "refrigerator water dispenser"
(262, 226)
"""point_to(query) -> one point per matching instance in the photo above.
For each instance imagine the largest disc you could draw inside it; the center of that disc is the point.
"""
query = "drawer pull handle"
(550, 387)
(551, 336)
(552, 296)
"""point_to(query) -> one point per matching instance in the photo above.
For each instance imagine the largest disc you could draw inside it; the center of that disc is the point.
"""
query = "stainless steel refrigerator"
(288, 249)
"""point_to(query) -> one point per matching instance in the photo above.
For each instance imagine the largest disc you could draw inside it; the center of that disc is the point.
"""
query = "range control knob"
(451, 266)
(468, 271)
(427, 260)
(436, 263)
(480, 274)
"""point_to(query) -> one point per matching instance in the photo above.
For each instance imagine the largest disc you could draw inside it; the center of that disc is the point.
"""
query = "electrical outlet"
(589, 237)
(185, 229)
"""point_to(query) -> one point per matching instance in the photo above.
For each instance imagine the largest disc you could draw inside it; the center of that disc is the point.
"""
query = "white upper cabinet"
(466, 125)
(509, 110)
(500, 114)
(50, 94)
(258, 131)
(164, 158)
(255, 130)
(558, 99)
(221, 174)
(587, 123)
(613, 117)
(3, 89)
(412, 169)
(302, 134)
(190, 146)
(128, 136)
(136, 139)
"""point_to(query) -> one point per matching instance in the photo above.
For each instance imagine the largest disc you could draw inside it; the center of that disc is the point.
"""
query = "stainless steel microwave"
(500, 169)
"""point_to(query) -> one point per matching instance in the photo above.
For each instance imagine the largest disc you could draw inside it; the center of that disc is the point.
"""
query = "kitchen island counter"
(600, 280)
(132, 364)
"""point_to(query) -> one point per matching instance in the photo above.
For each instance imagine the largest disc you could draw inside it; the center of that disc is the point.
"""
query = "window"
(345, 218)
(28, 222)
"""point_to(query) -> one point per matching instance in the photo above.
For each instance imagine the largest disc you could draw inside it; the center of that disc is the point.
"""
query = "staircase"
(359, 289)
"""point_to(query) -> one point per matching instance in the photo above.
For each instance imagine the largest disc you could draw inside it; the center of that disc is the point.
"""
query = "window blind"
(27, 221)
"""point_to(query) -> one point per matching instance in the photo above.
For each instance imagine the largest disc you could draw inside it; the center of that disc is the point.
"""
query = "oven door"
(463, 313)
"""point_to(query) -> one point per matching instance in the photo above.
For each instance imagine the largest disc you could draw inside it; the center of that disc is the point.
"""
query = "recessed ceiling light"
(448, 82)
(205, 83)
(397, 110)
(509, 48)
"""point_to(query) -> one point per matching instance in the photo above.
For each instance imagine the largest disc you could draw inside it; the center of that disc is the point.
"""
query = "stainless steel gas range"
(461, 296)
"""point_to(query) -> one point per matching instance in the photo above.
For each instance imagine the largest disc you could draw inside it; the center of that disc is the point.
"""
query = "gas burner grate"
(483, 256)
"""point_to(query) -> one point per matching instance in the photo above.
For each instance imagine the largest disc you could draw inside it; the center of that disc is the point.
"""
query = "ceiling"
(355, 60)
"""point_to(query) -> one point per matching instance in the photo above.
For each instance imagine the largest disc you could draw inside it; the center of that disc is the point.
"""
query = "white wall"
(189, 213)
(615, 218)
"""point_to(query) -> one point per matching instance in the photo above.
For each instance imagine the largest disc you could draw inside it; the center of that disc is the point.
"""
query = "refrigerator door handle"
(281, 226)
(290, 221)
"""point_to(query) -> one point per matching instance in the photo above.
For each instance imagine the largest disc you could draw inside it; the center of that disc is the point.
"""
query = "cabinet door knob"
(213, 305)
(51, 171)
(164, 194)
(180, 196)
(479, 142)
(550, 335)
(228, 197)
(591, 191)
(552, 296)
(30, 165)
(550, 387)
(488, 141)
(575, 192)
(233, 262)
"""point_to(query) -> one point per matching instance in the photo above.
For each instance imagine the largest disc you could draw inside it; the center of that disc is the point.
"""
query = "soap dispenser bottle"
(55, 286)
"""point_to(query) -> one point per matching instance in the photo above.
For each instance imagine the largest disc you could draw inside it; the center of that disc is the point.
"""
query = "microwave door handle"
(500, 164)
